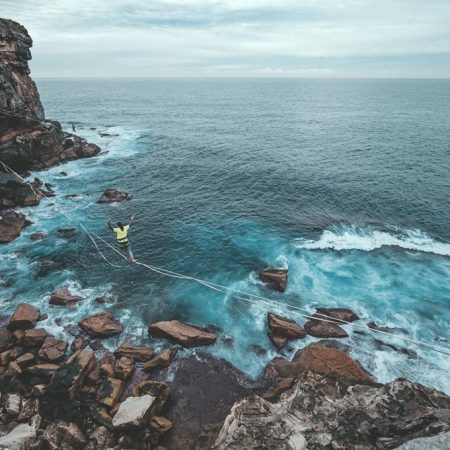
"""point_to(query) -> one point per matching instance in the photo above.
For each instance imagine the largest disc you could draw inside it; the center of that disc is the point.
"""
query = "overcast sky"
(261, 38)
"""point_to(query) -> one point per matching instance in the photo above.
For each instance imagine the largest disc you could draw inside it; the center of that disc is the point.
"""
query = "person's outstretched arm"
(132, 217)
(109, 225)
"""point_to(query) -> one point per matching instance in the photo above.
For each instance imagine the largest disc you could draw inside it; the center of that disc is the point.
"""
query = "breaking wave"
(357, 238)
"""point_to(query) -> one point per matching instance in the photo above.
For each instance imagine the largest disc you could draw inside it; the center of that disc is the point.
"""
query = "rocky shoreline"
(75, 394)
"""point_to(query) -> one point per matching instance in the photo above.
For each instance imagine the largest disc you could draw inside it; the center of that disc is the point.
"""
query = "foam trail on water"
(356, 238)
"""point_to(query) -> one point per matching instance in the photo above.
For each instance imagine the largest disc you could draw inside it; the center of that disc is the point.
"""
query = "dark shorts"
(125, 250)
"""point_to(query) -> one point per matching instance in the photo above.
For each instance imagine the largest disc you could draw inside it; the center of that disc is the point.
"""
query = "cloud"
(237, 37)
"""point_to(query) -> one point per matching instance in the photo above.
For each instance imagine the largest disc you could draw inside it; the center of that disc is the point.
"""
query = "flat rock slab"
(133, 412)
(136, 352)
(25, 317)
(164, 359)
(182, 333)
(275, 278)
(101, 325)
(53, 350)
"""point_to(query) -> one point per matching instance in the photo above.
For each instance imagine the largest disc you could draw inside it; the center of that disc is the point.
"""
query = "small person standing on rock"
(122, 238)
(73, 127)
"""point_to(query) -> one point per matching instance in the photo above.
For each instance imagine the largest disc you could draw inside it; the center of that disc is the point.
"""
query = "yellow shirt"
(122, 234)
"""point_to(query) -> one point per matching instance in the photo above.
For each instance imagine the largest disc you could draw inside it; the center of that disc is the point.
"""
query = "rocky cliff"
(27, 139)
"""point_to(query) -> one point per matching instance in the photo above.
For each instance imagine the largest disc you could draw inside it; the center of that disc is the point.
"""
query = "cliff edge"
(27, 139)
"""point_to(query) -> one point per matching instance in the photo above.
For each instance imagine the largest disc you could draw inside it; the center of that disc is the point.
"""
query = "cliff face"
(18, 93)
(27, 140)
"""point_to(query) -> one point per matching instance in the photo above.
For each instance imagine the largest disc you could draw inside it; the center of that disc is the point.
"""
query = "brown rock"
(53, 350)
(164, 359)
(79, 343)
(319, 328)
(114, 195)
(101, 325)
(341, 315)
(277, 340)
(124, 368)
(63, 297)
(14, 368)
(35, 337)
(160, 424)
(275, 278)
(330, 362)
(94, 375)
(25, 317)
(11, 224)
(182, 333)
(281, 386)
(107, 369)
(138, 353)
(25, 360)
(110, 391)
(287, 328)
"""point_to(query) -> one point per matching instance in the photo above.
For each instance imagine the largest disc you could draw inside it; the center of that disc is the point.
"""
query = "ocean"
(344, 182)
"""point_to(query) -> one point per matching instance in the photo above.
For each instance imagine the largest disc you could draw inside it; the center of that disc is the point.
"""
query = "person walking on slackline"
(121, 231)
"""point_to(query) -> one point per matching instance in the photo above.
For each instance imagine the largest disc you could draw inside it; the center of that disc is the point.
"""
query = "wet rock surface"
(11, 225)
(113, 196)
(274, 278)
(63, 297)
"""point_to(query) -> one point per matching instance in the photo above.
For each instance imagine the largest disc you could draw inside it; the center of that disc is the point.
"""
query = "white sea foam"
(355, 238)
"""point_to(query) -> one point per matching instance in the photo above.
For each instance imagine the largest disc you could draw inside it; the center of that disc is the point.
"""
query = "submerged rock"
(275, 278)
(182, 333)
(101, 325)
(114, 195)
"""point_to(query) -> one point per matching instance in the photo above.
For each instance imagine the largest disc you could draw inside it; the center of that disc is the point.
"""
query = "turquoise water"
(345, 182)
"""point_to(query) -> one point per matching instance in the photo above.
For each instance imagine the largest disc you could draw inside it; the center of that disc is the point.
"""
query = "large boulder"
(34, 337)
(283, 329)
(53, 350)
(275, 278)
(114, 195)
(71, 375)
(19, 438)
(330, 362)
(101, 325)
(182, 333)
(63, 297)
(324, 329)
(25, 317)
(61, 435)
(134, 412)
(136, 352)
(11, 224)
(341, 315)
